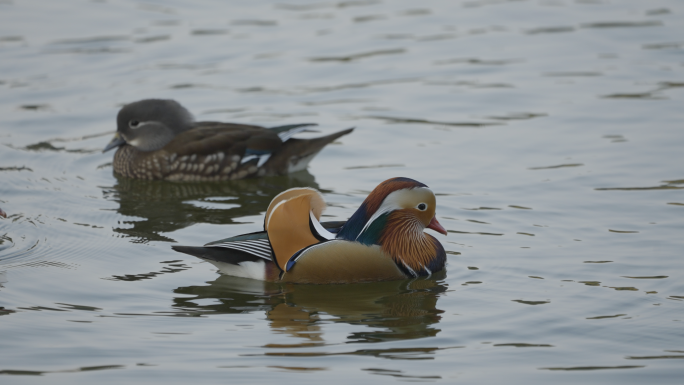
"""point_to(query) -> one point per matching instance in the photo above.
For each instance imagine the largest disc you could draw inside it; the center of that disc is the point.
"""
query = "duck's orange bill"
(437, 226)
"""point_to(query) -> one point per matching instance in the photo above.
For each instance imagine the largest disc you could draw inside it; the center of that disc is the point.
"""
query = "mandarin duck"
(159, 139)
(383, 240)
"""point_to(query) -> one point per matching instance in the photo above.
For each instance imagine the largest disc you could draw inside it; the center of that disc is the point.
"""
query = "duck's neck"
(351, 230)
(410, 248)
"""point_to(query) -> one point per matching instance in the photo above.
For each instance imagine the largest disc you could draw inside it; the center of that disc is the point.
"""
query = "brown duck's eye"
(133, 123)
(421, 206)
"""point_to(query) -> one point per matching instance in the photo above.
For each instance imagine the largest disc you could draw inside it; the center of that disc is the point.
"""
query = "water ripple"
(358, 56)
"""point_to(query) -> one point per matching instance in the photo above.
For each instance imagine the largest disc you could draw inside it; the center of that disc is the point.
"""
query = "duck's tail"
(296, 154)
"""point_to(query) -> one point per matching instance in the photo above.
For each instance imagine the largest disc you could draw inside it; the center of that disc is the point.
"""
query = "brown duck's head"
(404, 197)
(150, 124)
(410, 202)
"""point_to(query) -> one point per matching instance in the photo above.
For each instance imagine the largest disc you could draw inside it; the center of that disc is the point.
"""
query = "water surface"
(551, 132)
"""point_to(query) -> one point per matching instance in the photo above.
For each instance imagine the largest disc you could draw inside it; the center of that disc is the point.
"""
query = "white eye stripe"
(135, 124)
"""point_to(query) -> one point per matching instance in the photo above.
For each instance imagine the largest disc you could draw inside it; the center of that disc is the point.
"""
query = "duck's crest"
(358, 220)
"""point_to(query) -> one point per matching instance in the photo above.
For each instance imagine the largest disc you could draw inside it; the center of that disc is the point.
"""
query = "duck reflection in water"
(159, 207)
(405, 309)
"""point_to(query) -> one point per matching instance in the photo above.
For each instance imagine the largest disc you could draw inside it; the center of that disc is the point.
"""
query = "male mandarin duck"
(383, 240)
(159, 139)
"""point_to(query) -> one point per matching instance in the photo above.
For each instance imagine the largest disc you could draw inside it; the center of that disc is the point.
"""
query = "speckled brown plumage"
(157, 139)
(214, 154)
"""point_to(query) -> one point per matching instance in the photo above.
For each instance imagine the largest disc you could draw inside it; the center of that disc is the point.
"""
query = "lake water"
(551, 130)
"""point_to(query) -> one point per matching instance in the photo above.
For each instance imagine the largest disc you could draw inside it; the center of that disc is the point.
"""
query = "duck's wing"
(235, 254)
(247, 256)
(260, 149)
(331, 226)
(341, 261)
(213, 151)
(239, 260)
(250, 144)
(246, 247)
(209, 137)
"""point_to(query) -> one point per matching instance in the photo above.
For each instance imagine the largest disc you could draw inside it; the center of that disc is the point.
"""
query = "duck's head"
(405, 198)
(150, 124)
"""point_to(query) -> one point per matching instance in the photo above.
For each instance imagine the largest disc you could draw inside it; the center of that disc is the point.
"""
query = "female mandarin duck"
(158, 139)
(383, 240)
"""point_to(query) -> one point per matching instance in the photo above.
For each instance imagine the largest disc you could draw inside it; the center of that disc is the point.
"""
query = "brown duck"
(383, 240)
(159, 139)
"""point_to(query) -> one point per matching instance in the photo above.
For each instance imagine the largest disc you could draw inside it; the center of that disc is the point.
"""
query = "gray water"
(550, 130)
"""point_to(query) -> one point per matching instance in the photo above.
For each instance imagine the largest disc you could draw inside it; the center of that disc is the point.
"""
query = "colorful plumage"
(383, 240)
(158, 139)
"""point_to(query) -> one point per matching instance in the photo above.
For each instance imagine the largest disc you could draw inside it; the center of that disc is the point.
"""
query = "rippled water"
(550, 130)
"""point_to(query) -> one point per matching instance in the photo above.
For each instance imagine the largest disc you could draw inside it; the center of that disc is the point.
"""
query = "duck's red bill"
(437, 226)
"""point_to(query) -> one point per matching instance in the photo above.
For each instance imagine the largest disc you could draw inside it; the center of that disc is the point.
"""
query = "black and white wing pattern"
(260, 248)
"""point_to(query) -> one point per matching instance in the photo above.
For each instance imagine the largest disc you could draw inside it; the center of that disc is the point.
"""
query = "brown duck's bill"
(3, 214)
(437, 226)
(116, 141)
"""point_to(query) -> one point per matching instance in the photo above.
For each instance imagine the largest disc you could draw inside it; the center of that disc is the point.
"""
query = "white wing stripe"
(290, 133)
(322, 231)
(249, 248)
(256, 242)
(262, 240)
(247, 245)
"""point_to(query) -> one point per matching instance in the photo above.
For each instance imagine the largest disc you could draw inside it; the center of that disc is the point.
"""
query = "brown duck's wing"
(226, 138)
(340, 261)
(209, 152)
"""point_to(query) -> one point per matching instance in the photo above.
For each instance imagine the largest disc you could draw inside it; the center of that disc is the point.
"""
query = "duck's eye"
(422, 207)
(133, 123)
